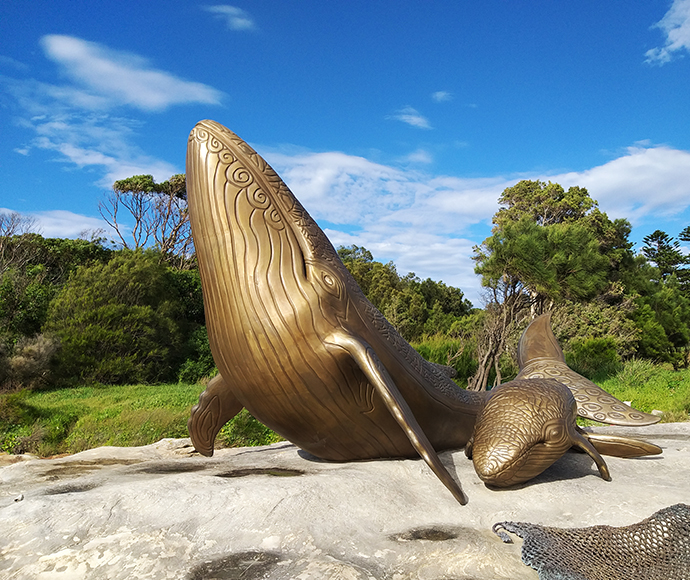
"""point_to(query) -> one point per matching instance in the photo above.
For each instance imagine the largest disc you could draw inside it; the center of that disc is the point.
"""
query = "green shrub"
(27, 364)
(199, 363)
(245, 431)
(637, 372)
(118, 322)
(452, 352)
(594, 357)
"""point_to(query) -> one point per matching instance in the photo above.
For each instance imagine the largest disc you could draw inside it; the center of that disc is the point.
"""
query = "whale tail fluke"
(540, 357)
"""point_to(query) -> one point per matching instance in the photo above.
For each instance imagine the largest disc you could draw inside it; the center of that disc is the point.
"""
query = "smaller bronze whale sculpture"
(298, 344)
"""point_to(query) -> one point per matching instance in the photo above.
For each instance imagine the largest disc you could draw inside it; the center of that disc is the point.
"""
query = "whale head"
(525, 427)
(260, 253)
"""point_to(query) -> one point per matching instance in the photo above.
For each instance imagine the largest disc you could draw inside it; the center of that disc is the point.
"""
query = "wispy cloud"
(62, 224)
(235, 18)
(110, 77)
(419, 156)
(412, 117)
(7, 61)
(441, 96)
(676, 27)
(82, 122)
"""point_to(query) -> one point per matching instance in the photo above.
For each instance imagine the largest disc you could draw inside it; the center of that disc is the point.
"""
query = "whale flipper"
(617, 446)
(380, 379)
(540, 357)
(216, 406)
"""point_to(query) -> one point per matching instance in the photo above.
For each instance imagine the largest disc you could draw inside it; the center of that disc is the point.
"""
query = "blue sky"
(396, 123)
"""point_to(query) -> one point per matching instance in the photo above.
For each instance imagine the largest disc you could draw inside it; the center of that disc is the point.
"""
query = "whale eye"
(331, 284)
(555, 434)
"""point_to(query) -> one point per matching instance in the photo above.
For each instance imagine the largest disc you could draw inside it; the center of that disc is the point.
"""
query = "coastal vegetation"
(105, 343)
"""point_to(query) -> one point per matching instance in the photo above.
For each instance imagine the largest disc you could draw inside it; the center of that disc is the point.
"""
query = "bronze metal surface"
(298, 344)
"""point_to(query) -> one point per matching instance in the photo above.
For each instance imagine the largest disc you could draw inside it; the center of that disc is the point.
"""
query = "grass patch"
(649, 387)
(74, 419)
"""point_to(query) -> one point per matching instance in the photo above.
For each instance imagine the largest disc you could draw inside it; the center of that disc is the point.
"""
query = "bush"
(594, 357)
(199, 363)
(245, 431)
(452, 352)
(118, 322)
(637, 372)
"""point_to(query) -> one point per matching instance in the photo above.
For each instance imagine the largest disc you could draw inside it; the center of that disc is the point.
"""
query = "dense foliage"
(82, 316)
(118, 322)
(79, 312)
(554, 250)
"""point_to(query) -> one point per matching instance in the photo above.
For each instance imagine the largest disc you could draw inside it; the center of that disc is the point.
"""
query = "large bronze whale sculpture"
(297, 343)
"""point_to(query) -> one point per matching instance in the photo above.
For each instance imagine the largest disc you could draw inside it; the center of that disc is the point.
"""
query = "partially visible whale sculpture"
(297, 343)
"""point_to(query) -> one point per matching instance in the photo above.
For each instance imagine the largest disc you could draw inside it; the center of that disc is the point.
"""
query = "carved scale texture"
(592, 401)
(513, 422)
(657, 548)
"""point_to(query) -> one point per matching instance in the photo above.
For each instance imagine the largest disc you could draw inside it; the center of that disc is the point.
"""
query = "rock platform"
(164, 512)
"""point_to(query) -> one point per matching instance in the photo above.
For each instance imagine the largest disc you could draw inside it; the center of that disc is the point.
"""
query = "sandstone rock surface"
(162, 511)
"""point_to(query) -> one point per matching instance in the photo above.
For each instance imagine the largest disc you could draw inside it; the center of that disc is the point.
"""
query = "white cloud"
(65, 224)
(62, 224)
(441, 96)
(76, 120)
(115, 77)
(235, 18)
(419, 156)
(644, 184)
(344, 189)
(412, 117)
(676, 27)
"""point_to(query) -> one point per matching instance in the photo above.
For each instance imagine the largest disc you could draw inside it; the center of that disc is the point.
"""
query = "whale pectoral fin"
(580, 441)
(621, 446)
(216, 406)
(378, 376)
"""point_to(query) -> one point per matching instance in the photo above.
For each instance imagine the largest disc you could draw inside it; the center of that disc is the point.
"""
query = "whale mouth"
(508, 465)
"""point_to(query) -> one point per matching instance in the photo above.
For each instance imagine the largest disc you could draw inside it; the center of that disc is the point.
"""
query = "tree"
(542, 203)
(32, 270)
(663, 251)
(414, 307)
(12, 224)
(547, 246)
(662, 314)
(159, 211)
